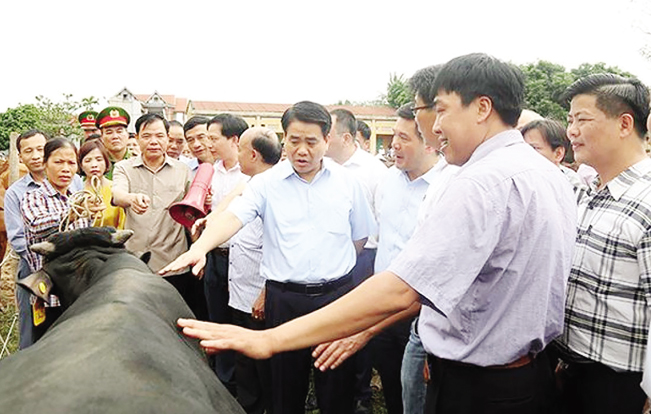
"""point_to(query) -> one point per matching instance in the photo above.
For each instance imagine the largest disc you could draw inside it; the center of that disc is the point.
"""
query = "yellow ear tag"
(42, 287)
(38, 312)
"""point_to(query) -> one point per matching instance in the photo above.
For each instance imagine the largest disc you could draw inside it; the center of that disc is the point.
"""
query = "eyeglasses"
(415, 109)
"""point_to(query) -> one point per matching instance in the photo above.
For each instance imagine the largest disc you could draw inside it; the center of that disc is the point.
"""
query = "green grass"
(6, 320)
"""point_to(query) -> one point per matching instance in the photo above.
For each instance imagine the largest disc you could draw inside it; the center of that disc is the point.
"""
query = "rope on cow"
(80, 202)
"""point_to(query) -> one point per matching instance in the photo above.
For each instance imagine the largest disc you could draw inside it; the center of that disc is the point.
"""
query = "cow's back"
(116, 350)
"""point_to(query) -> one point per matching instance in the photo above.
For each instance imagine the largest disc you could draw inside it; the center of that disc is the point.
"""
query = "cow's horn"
(43, 248)
(121, 236)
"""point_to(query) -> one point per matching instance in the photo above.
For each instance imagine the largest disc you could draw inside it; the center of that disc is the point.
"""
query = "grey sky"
(283, 51)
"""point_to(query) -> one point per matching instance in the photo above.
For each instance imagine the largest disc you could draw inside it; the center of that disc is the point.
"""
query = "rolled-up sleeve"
(448, 251)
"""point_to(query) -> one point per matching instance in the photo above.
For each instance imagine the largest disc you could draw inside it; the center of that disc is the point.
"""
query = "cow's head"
(72, 260)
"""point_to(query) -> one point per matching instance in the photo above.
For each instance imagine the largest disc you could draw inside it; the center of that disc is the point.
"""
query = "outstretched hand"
(189, 258)
(216, 338)
(331, 355)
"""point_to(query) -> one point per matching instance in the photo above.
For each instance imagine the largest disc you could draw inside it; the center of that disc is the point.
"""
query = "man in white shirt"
(344, 150)
(223, 131)
(315, 219)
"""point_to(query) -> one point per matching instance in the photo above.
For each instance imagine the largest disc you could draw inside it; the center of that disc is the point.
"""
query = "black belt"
(520, 362)
(313, 288)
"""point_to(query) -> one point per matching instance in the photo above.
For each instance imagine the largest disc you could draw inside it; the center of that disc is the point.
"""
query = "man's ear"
(559, 154)
(626, 124)
(484, 108)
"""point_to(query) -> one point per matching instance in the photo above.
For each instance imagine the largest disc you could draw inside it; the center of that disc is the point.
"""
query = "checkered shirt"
(43, 209)
(607, 312)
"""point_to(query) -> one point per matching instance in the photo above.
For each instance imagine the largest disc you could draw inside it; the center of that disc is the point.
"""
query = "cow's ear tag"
(39, 284)
(38, 312)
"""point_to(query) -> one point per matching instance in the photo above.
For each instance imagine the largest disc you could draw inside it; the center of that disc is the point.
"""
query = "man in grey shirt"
(489, 264)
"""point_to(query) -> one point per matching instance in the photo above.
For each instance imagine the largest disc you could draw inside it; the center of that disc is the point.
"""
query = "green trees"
(546, 81)
(55, 118)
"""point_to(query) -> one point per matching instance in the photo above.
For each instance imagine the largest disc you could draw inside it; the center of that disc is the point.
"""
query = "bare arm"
(381, 296)
(219, 228)
(332, 354)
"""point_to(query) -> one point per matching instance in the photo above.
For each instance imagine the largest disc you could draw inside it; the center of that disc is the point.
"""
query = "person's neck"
(153, 163)
(229, 162)
(426, 165)
(345, 155)
(260, 168)
(119, 156)
(618, 163)
(38, 177)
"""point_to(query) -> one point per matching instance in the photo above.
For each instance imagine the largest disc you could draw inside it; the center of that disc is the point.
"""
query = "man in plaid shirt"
(609, 291)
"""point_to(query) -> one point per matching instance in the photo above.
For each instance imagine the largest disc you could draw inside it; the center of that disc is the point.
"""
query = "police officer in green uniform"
(87, 121)
(113, 122)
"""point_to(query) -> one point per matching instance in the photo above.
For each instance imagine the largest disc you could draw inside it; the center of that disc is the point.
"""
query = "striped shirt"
(43, 209)
(244, 279)
(607, 310)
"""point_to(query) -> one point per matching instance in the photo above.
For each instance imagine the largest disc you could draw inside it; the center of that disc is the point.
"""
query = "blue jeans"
(25, 323)
(414, 388)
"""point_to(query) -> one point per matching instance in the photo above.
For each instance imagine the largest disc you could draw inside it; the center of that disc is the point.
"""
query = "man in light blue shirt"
(490, 263)
(398, 200)
(316, 219)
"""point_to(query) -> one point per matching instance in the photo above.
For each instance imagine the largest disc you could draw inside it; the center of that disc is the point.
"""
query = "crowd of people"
(502, 264)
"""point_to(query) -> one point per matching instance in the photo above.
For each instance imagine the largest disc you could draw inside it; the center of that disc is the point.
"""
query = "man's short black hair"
(364, 129)
(346, 121)
(422, 82)
(194, 121)
(614, 95)
(174, 122)
(310, 113)
(29, 134)
(148, 119)
(267, 144)
(232, 125)
(553, 132)
(406, 112)
(476, 75)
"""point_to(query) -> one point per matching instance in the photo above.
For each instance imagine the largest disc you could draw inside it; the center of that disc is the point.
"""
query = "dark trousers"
(25, 321)
(364, 368)
(190, 288)
(290, 370)
(216, 290)
(468, 389)
(387, 350)
(253, 377)
(597, 389)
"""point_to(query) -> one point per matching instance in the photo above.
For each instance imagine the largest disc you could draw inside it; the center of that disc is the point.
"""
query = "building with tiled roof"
(380, 118)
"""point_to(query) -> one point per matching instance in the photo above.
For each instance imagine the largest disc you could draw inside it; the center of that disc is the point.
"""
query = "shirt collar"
(50, 191)
(286, 170)
(356, 158)
(500, 140)
(139, 163)
(219, 165)
(618, 186)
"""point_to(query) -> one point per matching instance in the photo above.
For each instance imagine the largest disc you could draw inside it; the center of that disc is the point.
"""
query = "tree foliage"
(398, 91)
(546, 81)
(55, 118)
